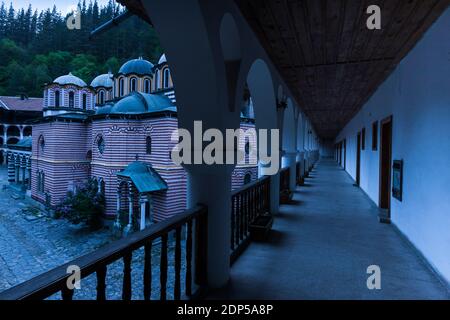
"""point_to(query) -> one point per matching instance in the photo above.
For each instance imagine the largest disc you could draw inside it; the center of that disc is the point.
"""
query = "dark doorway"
(385, 167)
(358, 159)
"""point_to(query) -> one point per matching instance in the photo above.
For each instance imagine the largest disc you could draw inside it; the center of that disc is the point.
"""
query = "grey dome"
(70, 79)
(137, 66)
(103, 80)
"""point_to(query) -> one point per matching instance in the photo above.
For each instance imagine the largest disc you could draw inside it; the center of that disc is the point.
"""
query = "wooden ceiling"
(326, 54)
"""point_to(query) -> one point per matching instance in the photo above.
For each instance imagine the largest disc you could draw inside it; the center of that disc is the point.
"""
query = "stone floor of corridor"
(322, 245)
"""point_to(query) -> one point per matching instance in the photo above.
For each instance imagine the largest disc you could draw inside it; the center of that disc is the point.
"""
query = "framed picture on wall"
(397, 179)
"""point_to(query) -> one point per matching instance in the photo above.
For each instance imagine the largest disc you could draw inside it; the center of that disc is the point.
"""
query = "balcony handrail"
(53, 281)
(250, 185)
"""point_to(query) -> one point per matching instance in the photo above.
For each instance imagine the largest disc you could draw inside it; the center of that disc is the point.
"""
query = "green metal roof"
(144, 177)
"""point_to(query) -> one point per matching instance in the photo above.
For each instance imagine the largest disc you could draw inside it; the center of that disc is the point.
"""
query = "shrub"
(86, 205)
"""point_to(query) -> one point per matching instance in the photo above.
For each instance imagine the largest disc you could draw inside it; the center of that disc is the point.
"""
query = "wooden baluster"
(177, 286)
(101, 283)
(148, 271)
(201, 252)
(163, 267)
(189, 259)
(67, 294)
(233, 212)
(126, 290)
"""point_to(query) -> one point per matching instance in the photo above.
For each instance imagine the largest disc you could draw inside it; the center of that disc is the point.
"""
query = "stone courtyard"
(32, 243)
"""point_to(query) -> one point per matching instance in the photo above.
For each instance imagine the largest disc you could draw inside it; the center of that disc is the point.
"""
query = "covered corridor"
(321, 246)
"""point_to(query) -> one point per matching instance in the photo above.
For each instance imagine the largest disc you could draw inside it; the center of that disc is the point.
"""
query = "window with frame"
(375, 136)
(166, 77)
(121, 87)
(57, 98)
(101, 144)
(84, 101)
(147, 86)
(148, 145)
(71, 99)
(133, 82)
(102, 97)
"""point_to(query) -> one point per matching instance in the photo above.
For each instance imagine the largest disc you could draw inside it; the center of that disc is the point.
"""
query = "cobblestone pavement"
(32, 243)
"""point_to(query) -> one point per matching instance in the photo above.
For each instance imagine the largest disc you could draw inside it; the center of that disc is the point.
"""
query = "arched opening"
(71, 99)
(100, 144)
(2, 130)
(57, 98)
(147, 86)
(84, 101)
(289, 130)
(1, 141)
(101, 99)
(247, 178)
(12, 141)
(121, 87)
(89, 155)
(262, 93)
(41, 144)
(13, 131)
(133, 84)
(157, 85)
(166, 78)
(28, 131)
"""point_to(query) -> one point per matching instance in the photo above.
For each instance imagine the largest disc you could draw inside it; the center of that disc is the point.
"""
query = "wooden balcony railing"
(246, 204)
(195, 222)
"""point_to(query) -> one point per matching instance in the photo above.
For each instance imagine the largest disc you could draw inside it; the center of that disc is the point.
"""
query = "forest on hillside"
(36, 47)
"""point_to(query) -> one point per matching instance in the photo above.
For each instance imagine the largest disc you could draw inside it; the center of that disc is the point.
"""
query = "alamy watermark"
(73, 21)
(74, 280)
(238, 146)
(374, 280)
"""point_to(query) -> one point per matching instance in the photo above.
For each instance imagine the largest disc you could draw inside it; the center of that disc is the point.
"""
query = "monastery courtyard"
(32, 243)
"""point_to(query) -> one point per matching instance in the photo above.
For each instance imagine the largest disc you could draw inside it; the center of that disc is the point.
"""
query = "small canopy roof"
(144, 177)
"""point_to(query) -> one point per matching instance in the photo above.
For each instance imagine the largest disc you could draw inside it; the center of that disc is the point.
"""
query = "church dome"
(162, 59)
(103, 80)
(137, 66)
(138, 103)
(70, 79)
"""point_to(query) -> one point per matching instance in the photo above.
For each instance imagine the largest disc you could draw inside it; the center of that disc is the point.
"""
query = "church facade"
(116, 131)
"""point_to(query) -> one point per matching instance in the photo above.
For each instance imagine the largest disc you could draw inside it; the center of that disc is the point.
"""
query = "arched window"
(38, 181)
(84, 101)
(166, 77)
(101, 144)
(247, 178)
(147, 86)
(102, 97)
(71, 99)
(42, 181)
(121, 87)
(148, 145)
(57, 98)
(41, 143)
(133, 82)
(156, 80)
